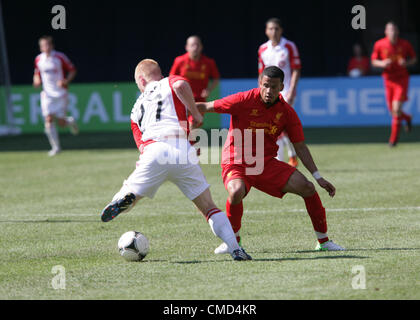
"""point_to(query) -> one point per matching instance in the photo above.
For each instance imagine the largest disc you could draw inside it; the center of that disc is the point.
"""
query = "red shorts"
(271, 181)
(396, 90)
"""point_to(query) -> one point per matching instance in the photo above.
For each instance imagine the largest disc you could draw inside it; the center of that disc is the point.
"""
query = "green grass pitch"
(49, 215)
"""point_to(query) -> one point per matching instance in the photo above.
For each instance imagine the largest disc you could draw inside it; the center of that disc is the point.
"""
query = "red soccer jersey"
(197, 72)
(384, 49)
(363, 64)
(250, 112)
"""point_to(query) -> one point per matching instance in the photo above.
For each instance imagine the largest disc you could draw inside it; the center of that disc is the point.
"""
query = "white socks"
(290, 149)
(321, 235)
(282, 142)
(280, 152)
(52, 135)
(221, 227)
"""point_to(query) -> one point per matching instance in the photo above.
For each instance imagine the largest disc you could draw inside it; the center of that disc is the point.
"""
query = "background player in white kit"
(281, 52)
(55, 71)
(160, 129)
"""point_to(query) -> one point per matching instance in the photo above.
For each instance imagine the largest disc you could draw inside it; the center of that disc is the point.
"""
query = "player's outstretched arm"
(184, 93)
(305, 156)
(205, 107)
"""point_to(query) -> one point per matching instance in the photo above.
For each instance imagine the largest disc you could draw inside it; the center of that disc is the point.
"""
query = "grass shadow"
(356, 249)
(311, 258)
(383, 249)
(279, 259)
(47, 221)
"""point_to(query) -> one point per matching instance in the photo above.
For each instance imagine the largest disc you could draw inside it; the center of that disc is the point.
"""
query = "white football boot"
(54, 152)
(328, 246)
(222, 249)
(74, 129)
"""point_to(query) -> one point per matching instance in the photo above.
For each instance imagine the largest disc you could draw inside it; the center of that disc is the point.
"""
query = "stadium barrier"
(321, 102)
(338, 102)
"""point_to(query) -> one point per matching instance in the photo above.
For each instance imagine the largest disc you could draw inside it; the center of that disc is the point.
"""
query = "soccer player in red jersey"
(359, 63)
(263, 110)
(394, 55)
(197, 68)
(200, 71)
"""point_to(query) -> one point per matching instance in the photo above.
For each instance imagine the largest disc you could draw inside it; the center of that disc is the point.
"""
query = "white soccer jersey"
(285, 56)
(53, 68)
(159, 113)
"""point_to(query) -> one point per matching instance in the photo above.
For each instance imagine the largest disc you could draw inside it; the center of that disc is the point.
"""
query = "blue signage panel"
(341, 101)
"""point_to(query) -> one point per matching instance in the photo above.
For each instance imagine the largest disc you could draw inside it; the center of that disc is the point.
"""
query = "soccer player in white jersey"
(54, 71)
(160, 128)
(283, 53)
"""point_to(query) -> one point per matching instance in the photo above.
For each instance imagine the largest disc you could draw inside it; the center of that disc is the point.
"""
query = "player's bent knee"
(49, 120)
(308, 189)
(236, 194)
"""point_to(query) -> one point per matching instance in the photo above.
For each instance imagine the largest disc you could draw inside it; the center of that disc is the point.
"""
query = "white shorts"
(53, 106)
(161, 161)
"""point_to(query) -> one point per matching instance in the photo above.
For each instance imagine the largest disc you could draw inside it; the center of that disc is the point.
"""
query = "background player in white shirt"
(281, 52)
(160, 129)
(54, 71)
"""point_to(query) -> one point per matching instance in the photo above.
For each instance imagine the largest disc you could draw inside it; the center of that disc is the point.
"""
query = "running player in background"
(394, 55)
(160, 129)
(54, 71)
(264, 108)
(283, 53)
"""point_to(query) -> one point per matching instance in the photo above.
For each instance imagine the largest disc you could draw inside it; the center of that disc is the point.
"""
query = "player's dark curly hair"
(273, 72)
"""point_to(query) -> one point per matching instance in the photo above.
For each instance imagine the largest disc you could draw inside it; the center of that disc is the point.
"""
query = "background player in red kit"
(200, 71)
(197, 68)
(359, 63)
(394, 55)
(265, 108)
(283, 53)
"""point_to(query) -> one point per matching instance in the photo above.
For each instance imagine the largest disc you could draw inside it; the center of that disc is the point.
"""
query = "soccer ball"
(133, 246)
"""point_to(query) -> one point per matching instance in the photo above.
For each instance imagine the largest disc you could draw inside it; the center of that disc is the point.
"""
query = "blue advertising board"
(337, 102)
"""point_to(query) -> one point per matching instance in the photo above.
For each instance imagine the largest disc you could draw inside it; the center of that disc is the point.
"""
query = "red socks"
(234, 212)
(396, 126)
(317, 214)
(313, 205)
(395, 129)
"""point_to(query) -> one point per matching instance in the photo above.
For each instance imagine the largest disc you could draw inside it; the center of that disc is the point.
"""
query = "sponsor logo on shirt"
(254, 112)
(278, 116)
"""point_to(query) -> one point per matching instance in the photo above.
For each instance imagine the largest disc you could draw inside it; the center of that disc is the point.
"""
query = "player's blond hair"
(147, 68)
(47, 38)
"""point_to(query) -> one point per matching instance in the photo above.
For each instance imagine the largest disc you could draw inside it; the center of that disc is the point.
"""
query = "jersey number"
(158, 110)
